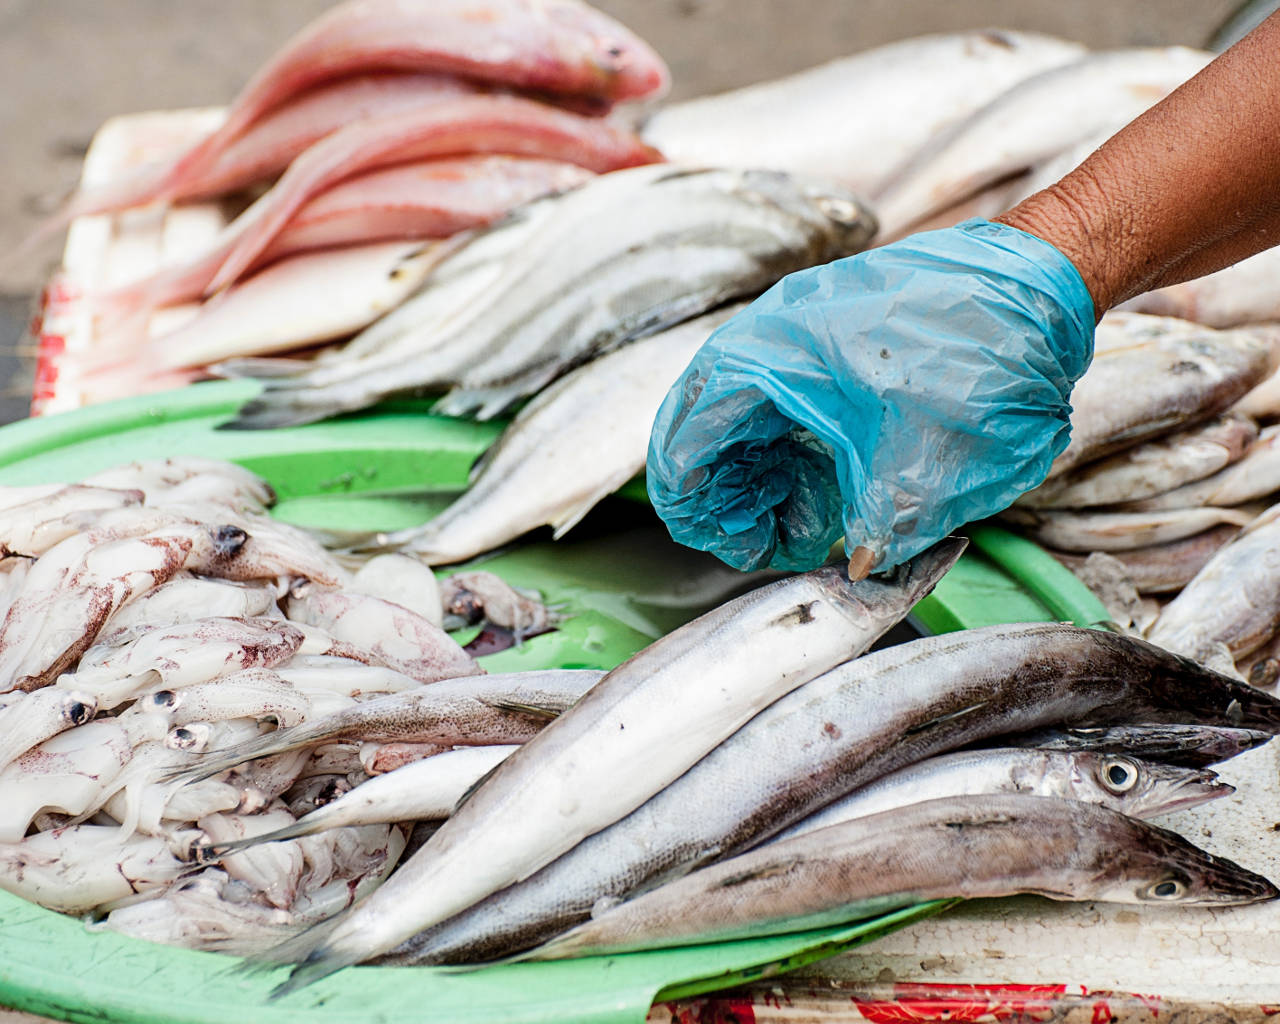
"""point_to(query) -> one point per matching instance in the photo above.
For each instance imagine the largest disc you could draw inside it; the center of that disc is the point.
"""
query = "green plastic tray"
(621, 583)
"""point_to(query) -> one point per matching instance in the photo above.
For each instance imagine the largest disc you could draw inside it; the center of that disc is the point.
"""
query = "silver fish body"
(1126, 785)
(1164, 568)
(1011, 133)
(578, 775)
(855, 119)
(477, 710)
(962, 847)
(1188, 375)
(576, 442)
(1150, 469)
(822, 741)
(1234, 600)
(1193, 746)
(680, 241)
(1254, 476)
(1120, 531)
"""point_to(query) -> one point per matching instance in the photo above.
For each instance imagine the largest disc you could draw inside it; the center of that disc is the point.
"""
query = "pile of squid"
(217, 735)
(1164, 501)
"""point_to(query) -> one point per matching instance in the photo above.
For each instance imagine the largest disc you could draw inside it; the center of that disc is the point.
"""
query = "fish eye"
(1119, 775)
(1166, 889)
(842, 211)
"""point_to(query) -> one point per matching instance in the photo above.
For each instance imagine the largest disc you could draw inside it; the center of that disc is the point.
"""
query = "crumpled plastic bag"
(891, 397)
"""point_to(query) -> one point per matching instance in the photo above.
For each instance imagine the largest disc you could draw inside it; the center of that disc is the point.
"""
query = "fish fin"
(572, 516)
(481, 463)
(520, 708)
(278, 408)
(259, 367)
(474, 787)
(482, 403)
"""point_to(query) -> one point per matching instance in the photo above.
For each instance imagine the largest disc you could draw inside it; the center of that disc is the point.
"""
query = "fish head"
(623, 66)
(1162, 868)
(1142, 789)
(841, 223)
(900, 587)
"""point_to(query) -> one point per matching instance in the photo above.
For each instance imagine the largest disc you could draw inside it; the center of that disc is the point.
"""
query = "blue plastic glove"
(891, 396)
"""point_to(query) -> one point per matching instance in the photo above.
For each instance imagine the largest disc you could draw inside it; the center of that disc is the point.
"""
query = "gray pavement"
(70, 64)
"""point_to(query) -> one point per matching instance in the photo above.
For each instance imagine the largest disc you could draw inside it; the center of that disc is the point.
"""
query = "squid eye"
(78, 713)
(164, 699)
(1166, 890)
(1119, 775)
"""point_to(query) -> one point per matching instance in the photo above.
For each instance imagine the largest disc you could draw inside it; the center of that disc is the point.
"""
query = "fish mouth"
(1198, 789)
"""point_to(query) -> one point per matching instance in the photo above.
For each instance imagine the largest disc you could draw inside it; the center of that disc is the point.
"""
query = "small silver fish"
(960, 847)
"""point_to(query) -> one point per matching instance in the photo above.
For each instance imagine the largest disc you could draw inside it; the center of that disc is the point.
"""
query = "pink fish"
(425, 199)
(469, 124)
(556, 46)
(271, 143)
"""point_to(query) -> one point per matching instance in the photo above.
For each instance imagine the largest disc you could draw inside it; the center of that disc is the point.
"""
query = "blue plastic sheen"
(891, 397)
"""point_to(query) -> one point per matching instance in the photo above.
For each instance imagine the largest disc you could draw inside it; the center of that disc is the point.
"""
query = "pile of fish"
(217, 735)
(1164, 500)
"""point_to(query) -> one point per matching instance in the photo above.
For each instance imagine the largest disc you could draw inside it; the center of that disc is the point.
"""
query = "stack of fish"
(1163, 500)
(216, 735)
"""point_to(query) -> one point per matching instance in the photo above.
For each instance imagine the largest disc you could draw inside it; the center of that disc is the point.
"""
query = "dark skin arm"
(1190, 187)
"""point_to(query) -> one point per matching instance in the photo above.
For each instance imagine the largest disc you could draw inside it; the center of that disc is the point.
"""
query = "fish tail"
(272, 409)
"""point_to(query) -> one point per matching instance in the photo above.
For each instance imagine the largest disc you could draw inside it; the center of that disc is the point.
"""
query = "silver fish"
(578, 775)
(1154, 468)
(1234, 600)
(503, 708)
(854, 120)
(1187, 375)
(962, 847)
(1010, 134)
(844, 729)
(1120, 531)
(578, 441)
(1127, 785)
(1254, 476)
(1164, 568)
(1194, 746)
(421, 790)
(680, 241)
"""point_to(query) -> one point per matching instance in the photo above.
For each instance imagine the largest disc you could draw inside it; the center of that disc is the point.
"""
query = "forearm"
(1189, 187)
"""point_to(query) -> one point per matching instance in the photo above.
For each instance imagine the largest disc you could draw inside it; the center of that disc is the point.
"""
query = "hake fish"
(1234, 600)
(1121, 531)
(576, 442)
(1194, 746)
(820, 742)
(578, 775)
(680, 241)
(503, 708)
(1126, 785)
(1164, 568)
(1255, 475)
(1154, 468)
(855, 119)
(962, 847)
(1187, 376)
(419, 791)
(1011, 134)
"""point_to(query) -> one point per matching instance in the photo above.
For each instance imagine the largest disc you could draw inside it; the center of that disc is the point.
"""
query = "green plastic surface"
(621, 583)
